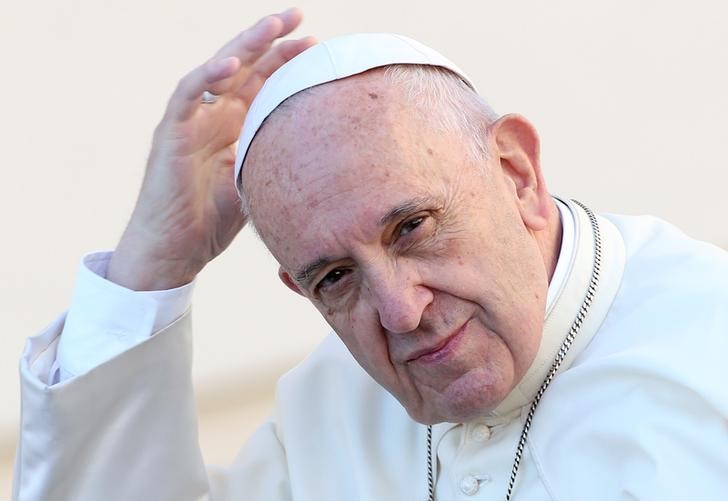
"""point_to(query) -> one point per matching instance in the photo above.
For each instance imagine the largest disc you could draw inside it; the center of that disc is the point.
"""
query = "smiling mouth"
(441, 350)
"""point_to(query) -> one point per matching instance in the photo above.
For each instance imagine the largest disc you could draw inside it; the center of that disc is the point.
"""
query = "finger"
(210, 76)
(270, 62)
(249, 45)
(223, 76)
(215, 75)
(291, 19)
(281, 54)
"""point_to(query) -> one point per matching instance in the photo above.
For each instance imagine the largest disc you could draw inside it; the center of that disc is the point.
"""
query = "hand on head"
(188, 211)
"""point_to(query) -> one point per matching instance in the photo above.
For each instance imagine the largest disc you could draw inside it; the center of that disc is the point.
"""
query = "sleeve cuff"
(106, 319)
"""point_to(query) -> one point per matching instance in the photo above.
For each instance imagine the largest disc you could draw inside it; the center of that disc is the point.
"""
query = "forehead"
(338, 157)
(327, 121)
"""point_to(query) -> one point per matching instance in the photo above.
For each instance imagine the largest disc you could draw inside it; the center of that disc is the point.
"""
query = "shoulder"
(672, 284)
(331, 418)
(654, 244)
(330, 386)
(647, 396)
(668, 324)
(666, 267)
(329, 367)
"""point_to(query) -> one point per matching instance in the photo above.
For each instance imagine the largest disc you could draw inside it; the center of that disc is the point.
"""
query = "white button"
(469, 485)
(481, 433)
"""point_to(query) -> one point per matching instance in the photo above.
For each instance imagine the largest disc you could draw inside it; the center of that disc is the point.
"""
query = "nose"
(400, 298)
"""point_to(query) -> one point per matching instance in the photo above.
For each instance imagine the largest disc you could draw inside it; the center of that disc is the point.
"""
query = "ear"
(518, 148)
(288, 281)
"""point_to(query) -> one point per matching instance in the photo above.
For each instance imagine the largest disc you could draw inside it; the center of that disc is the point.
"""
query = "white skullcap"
(331, 60)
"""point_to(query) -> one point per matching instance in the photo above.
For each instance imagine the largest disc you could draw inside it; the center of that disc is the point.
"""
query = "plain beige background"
(629, 97)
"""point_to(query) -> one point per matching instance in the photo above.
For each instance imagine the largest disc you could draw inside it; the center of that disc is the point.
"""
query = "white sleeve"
(106, 319)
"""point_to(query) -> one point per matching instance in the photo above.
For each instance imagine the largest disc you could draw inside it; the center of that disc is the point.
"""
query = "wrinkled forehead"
(334, 59)
(327, 164)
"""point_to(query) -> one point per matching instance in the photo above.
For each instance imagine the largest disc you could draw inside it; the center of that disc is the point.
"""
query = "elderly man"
(513, 345)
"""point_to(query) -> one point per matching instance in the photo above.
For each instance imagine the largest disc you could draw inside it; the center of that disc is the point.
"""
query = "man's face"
(416, 254)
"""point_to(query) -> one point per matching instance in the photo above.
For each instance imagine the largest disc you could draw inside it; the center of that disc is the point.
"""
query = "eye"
(332, 278)
(410, 226)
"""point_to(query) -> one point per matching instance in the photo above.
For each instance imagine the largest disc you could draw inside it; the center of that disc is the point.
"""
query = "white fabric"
(106, 319)
(639, 412)
(333, 59)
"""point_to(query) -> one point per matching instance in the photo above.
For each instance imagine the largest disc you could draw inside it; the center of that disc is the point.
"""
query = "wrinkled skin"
(432, 267)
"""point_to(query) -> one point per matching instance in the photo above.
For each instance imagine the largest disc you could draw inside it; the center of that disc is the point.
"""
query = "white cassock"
(638, 411)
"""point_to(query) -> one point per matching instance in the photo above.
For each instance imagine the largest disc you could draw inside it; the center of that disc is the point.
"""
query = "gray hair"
(439, 96)
(439, 93)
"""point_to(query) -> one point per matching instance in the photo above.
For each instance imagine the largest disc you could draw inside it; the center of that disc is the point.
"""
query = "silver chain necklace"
(558, 360)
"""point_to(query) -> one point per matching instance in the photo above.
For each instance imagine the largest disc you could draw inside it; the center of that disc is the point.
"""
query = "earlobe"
(288, 281)
(518, 148)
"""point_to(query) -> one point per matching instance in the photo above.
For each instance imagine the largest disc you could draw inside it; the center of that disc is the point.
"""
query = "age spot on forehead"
(374, 95)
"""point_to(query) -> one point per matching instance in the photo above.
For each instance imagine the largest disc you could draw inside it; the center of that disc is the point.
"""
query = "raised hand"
(188, 211)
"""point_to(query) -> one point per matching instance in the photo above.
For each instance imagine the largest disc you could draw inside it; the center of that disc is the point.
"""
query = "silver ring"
(208, 97)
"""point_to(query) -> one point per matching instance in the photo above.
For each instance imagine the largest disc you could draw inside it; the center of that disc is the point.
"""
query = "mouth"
(441, 350)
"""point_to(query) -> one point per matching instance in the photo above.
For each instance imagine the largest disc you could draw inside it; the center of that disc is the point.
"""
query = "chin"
(468, 410)
(467, 399)
(457, 412)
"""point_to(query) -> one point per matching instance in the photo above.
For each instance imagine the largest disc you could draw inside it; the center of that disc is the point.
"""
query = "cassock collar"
(566, 293)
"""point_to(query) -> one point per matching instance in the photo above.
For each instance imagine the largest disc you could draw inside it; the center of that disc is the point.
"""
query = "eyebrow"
(404, 209)
(304, 275)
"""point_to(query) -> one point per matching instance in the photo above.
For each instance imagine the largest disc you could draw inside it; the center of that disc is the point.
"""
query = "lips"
(438, 351)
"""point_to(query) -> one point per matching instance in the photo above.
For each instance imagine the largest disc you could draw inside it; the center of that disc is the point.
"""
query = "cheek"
(362, 334)
(355, 328)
